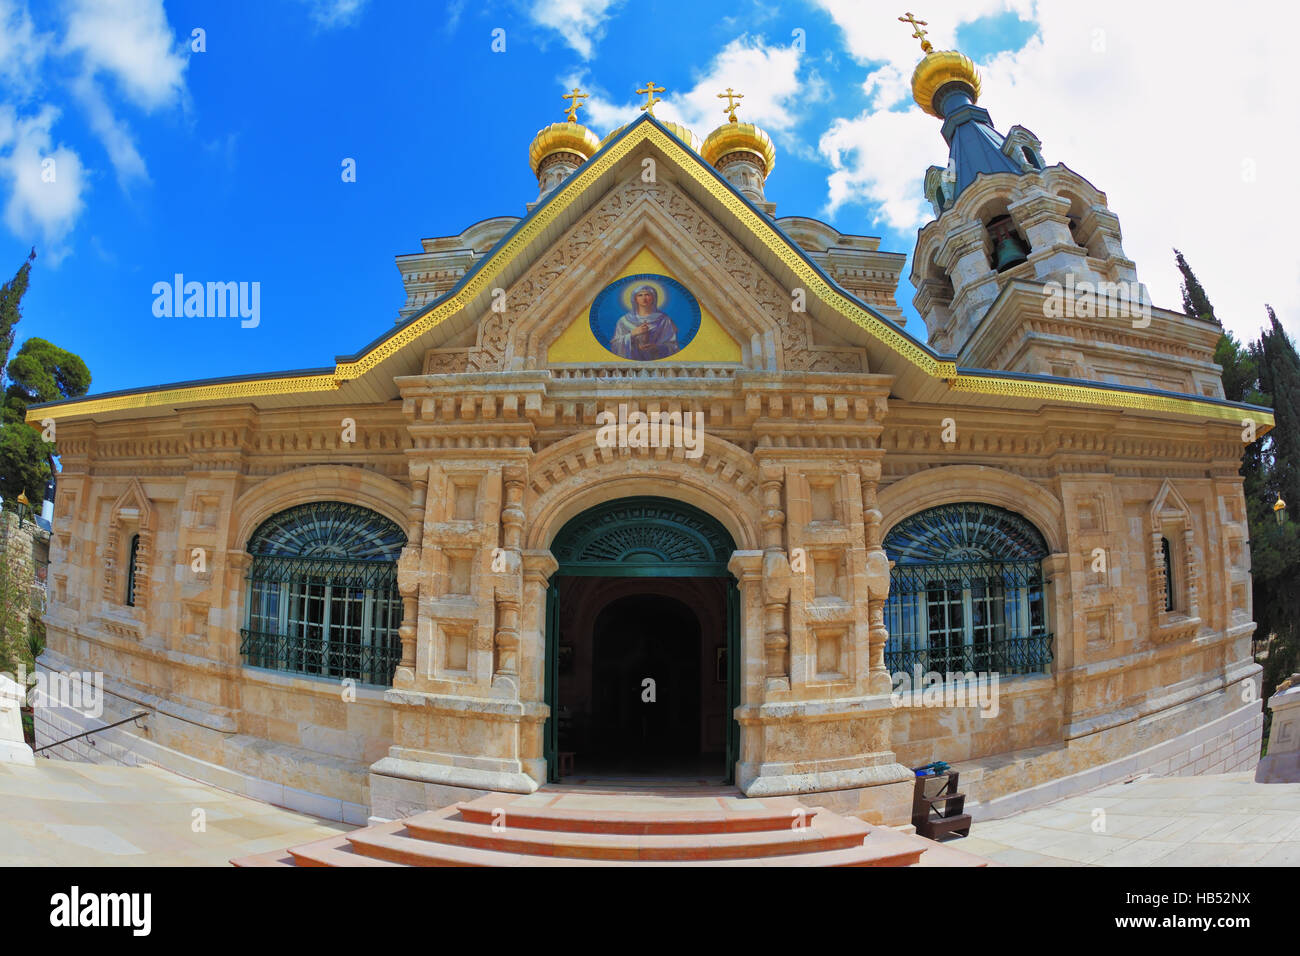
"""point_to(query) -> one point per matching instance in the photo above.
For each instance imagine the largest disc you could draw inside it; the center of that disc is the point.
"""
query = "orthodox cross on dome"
(650, 98)
(577, 96)
(731, 98)
(926, 45)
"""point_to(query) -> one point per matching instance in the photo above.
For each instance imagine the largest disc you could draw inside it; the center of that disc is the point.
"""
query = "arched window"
(966, 593)
(130, 570)
(322, 595)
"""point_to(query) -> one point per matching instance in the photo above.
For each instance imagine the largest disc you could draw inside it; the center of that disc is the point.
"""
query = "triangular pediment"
(835, 324)
(720, 306)
(1169, 505)
(133, 506)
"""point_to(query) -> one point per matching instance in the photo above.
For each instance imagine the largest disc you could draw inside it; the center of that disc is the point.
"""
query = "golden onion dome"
(677, 129)
(561, 138)
(736, 137)
(937, 70)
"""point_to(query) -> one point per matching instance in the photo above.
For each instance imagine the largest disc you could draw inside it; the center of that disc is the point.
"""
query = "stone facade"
(826, 433)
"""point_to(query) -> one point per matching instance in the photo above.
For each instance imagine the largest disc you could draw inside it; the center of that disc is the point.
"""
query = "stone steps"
(613, 828)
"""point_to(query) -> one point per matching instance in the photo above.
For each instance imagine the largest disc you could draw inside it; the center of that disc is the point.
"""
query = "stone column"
(408, 575)
(965, 256)
(878, 679)
(776, 582)
(507, 566)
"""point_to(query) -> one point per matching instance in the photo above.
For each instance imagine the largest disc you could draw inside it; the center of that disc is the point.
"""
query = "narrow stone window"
(130, 570)
(1167, 553)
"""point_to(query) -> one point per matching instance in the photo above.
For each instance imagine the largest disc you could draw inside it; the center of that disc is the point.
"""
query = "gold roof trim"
(686, 135)
(487, 276)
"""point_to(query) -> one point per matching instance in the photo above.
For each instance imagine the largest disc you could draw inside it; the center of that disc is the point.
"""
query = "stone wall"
(24, 547)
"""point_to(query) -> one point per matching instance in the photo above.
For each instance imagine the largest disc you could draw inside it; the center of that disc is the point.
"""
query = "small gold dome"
(677, 129)
(739, 138)
(936, 70)
(562, 138)
(1279, 504)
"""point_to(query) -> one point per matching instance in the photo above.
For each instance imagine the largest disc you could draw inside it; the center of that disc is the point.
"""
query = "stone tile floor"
(1221, 820)
(61, 813)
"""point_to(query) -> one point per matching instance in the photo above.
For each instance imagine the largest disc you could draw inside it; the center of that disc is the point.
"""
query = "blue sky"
(224, 165)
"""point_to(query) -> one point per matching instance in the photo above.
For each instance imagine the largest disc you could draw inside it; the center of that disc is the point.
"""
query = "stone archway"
(636, 564)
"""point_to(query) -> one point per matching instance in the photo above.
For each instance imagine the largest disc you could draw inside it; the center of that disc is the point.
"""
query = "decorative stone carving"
(496, 330)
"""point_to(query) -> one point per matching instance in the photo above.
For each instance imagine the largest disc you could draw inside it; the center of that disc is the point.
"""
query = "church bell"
(1008, 248)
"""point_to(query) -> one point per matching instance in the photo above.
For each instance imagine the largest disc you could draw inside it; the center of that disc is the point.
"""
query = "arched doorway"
(642, 644)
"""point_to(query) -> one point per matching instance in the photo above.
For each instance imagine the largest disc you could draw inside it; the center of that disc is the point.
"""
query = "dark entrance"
(641, 645)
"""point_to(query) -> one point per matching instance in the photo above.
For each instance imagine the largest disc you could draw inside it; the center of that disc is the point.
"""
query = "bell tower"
(1023, 267)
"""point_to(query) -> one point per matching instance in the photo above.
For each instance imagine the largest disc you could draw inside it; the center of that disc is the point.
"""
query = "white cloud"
(46, 183)
(112, 132)
(329, 14)
(21, 48)
(875, 158)
(580, 22)
(130, 41)
(1170, 116)
(768, 76)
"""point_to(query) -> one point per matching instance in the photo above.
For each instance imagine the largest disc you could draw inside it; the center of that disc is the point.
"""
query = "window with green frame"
(322, 593)
(966, 593)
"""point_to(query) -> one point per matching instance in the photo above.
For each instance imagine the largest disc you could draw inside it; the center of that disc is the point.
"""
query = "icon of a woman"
(645, 333)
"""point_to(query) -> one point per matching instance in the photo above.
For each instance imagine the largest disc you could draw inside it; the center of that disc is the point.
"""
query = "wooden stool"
(566, 762)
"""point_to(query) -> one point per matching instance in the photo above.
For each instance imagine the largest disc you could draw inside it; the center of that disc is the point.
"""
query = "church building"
(652, 483)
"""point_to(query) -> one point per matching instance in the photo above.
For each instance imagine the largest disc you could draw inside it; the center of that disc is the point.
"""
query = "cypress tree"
(1275, 548)
(11, 297)
(1195, 302)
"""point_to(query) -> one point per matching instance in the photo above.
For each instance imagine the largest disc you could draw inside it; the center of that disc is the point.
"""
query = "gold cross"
(650, 98)
(577, 96)
(926, 45)
(730, 97)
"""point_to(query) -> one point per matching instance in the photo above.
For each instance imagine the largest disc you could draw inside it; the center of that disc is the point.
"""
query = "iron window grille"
(966, 593)
(323, 596)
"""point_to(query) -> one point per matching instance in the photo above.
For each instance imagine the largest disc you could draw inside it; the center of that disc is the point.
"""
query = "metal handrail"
(125, 720)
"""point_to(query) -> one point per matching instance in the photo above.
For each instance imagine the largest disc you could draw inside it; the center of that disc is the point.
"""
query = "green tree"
(1274, 547)
(11, 297)
(1195, 301)
(24, 463)
(40, 372)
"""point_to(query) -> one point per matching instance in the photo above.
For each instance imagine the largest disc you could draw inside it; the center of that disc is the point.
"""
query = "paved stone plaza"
(1220, 820)
(60, 813)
